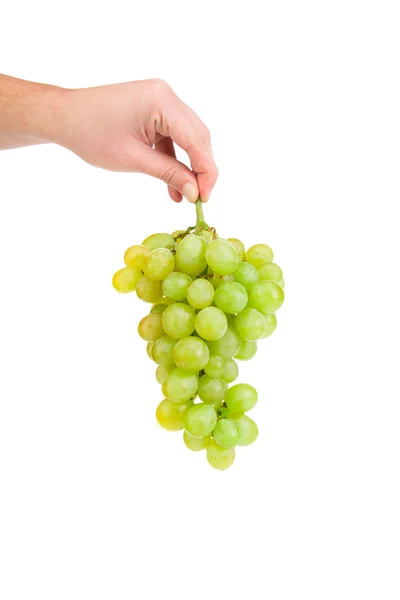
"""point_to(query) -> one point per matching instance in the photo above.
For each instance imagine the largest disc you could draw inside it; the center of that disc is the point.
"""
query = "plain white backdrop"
(302, 100)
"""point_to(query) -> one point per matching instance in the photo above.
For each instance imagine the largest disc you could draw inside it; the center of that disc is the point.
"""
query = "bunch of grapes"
(211, 302)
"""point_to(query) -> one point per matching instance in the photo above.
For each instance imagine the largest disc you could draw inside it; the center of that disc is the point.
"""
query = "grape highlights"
(211, 302)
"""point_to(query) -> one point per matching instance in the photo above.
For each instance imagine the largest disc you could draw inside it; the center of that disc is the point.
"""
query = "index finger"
(188, 131)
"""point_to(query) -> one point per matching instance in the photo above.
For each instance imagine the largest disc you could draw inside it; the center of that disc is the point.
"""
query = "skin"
(130, 127)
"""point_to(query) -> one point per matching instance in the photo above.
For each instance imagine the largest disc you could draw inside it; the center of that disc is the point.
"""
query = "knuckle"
(169, 174)
(160, 84)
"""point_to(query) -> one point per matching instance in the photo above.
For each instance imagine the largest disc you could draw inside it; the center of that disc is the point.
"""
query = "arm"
(124, 127)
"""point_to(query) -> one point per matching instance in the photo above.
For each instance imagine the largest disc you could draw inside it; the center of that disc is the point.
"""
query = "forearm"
(29, 112)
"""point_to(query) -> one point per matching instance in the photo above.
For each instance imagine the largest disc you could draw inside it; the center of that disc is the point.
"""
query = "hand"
(132, 127)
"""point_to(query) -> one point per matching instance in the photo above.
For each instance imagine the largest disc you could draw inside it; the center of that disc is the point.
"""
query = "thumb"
(171, 171)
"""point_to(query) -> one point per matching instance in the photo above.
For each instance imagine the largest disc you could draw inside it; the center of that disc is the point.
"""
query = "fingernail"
(190, 192)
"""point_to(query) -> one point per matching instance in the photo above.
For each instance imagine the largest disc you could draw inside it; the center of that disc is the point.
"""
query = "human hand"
(132, 127)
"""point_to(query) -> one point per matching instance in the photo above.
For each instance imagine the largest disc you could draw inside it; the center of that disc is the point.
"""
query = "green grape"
(282, 283)
(215, 366)
(216, 280)
(241, 397)
(135, 257)
(178, 233)
(200, 293)
(172, 416)
(190, 255)
(227, 346)
(158, 240)
(211, 323)
(126, 280)
(270, 322)
(149, 349)
(158, 308)
(231, 297)
(150, 327)
(208, 236)
(211, 390)
(179, 386)
(226, 433)
(178, 320)
(250, 324)
(149, 291)
(218, 457)
(166, 300)
(258, 255)
(200, 420)
(270, 272)
(231, 370)
(239, 247)
(162, 351)
(222, 257)
(191, 354)
(247, 350)
(266, 296)
(175, 285)
(246, 275)
(248, 429)
(162, 372)
(196, 444)
(159, 264)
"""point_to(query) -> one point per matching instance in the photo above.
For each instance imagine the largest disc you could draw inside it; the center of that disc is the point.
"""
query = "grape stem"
(200, 217)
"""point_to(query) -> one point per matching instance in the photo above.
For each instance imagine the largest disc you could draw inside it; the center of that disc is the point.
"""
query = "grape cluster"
(211, 302)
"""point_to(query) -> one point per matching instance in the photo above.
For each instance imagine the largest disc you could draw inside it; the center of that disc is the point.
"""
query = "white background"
(302, 100)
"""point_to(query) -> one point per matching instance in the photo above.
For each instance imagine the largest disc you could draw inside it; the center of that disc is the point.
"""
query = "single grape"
(150, 327)
(172, 416)
(125, 280)
(222, 257)
(266, 296)
(178, 233)
(191, 354)
(200, 420)
(246, 275)
(158, 240)
(178, 320)
(231, 370)
(211, 323)
(149, 291)
(211, 390)
(239, 247)
(241, 397)
(200, 293)
(162, 372)
(258, 255)
(190, 255)
(248, 429)
(196, 444)
(159, 264)
(218, 457)
(158, 308)
(215, 366)
(135, 257)
(208, 236)
(226, 433)
(162, 351)
(179, 386)
(227, 346)
(149, 349)
(247, 350)
(270, 272)
(175, 285)
(231, 297)
(250, 324)
(270, 322)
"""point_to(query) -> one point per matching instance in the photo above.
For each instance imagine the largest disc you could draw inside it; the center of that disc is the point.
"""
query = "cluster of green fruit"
(211, 302)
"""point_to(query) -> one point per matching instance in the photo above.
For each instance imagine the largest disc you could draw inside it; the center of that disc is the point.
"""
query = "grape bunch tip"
(212, 301)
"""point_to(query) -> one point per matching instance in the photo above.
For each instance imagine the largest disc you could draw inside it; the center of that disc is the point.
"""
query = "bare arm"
(123, 127)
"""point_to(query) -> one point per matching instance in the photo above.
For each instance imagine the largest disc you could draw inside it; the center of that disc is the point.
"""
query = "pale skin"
(130, 127)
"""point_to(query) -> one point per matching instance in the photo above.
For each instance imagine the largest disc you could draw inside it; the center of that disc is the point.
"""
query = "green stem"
(200, 216)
